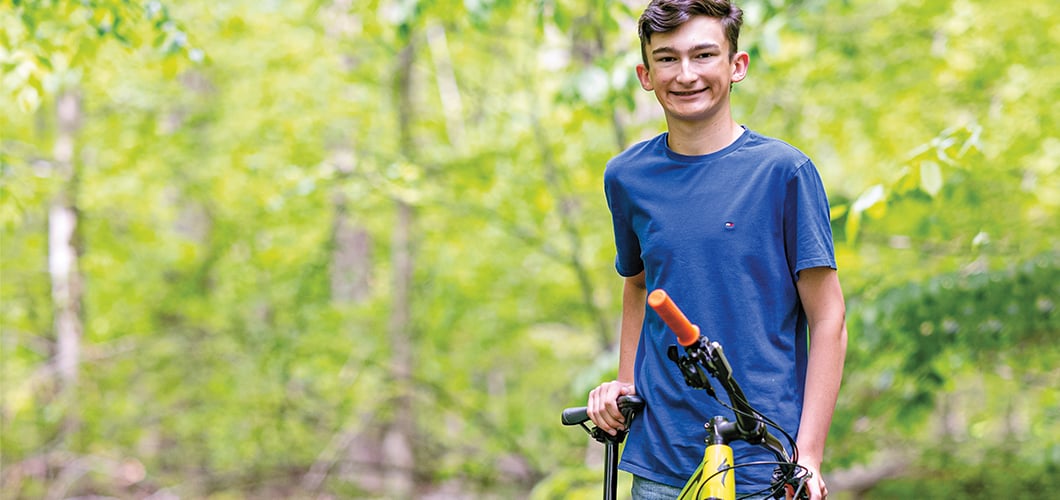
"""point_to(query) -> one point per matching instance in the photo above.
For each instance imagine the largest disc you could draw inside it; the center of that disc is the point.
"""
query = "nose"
(686, 74)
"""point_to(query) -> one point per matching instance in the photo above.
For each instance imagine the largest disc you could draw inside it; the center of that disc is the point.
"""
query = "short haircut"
(661, 16)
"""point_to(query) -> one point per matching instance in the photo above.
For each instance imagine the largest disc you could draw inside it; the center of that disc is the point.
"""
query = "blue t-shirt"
(725, 234)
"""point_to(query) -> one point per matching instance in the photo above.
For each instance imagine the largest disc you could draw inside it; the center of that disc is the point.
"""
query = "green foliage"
(221, 145)
(578, 484)
(47, 44)
(997, 475)
(970, 347)
(895, 98)
(977, 315)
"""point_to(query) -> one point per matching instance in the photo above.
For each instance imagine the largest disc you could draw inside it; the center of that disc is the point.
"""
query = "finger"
(611, 416)
(592, 407)
(612, 413)
(599, 410)
(595, 407)
(819, 490)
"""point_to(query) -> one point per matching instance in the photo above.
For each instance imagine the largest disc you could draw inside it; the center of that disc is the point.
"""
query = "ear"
(645, 77)
(740, 62)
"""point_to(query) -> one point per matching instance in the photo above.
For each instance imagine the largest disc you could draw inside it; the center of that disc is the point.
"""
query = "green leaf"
(873, 197)
(838, 211)
(853, 225)
(28, 99)
(930, 177)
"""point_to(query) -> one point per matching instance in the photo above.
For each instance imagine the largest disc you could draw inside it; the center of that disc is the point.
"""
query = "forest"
(360, 248)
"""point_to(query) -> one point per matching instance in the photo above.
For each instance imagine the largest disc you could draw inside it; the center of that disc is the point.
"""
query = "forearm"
(823, 377)
(602, 406)
(822, 299)
(634, 295)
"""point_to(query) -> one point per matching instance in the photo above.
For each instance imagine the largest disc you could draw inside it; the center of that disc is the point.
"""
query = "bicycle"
(714, 479)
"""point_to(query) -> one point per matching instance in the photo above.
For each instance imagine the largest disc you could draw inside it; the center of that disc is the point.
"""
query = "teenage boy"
(735, 227)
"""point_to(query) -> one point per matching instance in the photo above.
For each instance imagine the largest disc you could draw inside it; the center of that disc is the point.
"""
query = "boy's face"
(690, 71)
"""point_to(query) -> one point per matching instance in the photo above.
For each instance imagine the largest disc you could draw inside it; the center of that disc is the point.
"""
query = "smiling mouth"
(688, 92)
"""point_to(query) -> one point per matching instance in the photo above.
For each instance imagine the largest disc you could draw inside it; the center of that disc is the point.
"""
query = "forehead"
(696, 32)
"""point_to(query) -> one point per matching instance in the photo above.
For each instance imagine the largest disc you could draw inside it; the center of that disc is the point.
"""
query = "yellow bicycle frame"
(714, 479)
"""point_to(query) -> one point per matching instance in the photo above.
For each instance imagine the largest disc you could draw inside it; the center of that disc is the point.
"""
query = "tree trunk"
(398, 442)
(350, 244)
(63, 268)
(63, 252)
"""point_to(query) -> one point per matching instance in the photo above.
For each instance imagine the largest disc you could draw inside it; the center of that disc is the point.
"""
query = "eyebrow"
(671, 50)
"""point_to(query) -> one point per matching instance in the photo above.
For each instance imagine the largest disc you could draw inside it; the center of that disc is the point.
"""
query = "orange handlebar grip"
(687, 333)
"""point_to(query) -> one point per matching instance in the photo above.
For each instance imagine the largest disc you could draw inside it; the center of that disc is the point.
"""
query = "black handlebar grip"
(575, 416)
(627, 404)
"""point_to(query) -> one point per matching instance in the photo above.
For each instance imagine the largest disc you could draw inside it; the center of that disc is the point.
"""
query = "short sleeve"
(628, 260)
(807, 224)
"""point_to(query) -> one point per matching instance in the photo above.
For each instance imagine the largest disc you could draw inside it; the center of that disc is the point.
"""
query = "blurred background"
(360, 249)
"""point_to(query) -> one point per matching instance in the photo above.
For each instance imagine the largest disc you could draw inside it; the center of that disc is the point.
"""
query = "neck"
(695, 139)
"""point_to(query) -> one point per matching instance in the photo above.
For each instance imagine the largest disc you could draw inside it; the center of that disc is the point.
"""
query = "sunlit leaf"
(870, 198)
(28, 99)
(853, 226)
(838, 211)
(930, 177)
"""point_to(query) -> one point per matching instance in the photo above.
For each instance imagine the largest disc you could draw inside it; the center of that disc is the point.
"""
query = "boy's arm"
(603, 405)
(634, 298)
(822, 299)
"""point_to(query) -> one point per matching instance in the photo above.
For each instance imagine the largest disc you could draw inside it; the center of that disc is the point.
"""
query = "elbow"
(638, 281)
(831, 332)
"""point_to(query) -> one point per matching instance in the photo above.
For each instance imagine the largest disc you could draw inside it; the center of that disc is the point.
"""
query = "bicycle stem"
(703, 360)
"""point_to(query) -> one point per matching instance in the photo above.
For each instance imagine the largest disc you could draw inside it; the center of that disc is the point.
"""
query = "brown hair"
(661, 16)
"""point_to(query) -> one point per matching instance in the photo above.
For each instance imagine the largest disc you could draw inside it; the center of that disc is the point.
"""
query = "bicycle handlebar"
(687, 333)
(628, 405)
(703, 359)
(709, 356)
